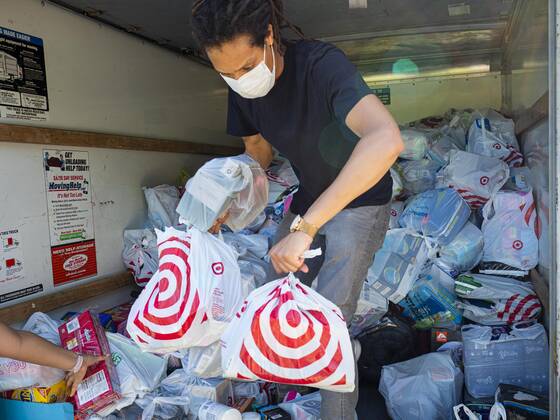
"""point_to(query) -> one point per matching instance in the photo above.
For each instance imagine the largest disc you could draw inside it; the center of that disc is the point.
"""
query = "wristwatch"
(300, 225)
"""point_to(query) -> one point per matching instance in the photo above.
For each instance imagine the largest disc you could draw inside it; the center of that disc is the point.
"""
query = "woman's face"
(237, 57)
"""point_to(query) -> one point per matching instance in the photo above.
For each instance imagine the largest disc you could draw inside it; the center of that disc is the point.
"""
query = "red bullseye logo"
(484, 180)
(289, 344)
(218, 268)
(497, 146)
(517, 245)
(170, 306)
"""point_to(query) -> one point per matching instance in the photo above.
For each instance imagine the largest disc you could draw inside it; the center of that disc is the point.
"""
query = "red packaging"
(83, 334)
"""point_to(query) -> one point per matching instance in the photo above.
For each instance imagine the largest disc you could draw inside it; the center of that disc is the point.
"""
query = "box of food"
(83, 334)
(45, 394)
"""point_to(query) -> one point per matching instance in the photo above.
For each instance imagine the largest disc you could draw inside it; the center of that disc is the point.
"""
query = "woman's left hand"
(287, 255)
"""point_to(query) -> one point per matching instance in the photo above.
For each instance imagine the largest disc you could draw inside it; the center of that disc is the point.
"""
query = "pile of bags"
(464, 234)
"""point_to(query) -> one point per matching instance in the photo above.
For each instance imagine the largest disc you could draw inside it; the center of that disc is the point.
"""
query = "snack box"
(83, 334)
(45, 394)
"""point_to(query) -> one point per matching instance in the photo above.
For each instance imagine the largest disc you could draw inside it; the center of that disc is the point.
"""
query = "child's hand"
(218, 223)
(74, 379)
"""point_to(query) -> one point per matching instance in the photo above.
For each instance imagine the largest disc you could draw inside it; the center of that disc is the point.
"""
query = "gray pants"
(349, 242)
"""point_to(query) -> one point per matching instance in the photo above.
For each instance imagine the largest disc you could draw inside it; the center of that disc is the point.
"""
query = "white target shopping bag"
(477, 178)
(511, 230)
(193, 295)
(286, 332)
(487, 140)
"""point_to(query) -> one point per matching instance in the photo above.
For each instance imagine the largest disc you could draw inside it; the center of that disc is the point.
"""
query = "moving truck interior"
(127, 83)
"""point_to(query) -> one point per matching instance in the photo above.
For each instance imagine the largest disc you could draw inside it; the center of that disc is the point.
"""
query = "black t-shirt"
(303, 117)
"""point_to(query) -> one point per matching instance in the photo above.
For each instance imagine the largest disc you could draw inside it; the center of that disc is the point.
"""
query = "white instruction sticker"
(73, 325)
(92, 387)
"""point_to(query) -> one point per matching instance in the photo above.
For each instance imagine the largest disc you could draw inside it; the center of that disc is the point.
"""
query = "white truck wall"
(103, 80)
(434, 96)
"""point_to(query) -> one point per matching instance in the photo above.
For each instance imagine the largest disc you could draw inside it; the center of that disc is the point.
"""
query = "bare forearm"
(370, 160)
(259, 149)
(28, 347)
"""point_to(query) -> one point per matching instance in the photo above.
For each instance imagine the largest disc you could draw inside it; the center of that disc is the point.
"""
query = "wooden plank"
(57, 137)
(22, 311)
(530, 117)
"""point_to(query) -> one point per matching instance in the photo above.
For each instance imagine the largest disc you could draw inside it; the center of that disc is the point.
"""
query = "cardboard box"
(83, 334)
(274, 413)
(45, 395)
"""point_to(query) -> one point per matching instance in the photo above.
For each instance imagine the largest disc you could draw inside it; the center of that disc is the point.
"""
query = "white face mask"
(257, 82)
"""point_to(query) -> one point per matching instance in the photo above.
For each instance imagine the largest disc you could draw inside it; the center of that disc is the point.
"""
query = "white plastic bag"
(193, 295)
(510, 230)
(286, 332)
(139, 372)
(505, 300)
(476, 178)
(486, 140)
(307, 407)
(416, 144)
(516, 355)
(17, 374)
(201, 390)
(140, 254)
(204, 362)
(162, 202)
(463, 253)
(169, 400)
(439, 151)
(397, 181)
(426, 387)
(256, 244)
(236, 185)
(419, 175)
(438, 215)
(397, 265)
(370, 309)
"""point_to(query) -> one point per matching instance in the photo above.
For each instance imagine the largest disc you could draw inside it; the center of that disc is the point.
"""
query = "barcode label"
(92, 387)
(73, 325)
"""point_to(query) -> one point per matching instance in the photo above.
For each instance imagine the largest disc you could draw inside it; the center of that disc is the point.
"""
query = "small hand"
(74, 379)
(218, 223)
(287, 255)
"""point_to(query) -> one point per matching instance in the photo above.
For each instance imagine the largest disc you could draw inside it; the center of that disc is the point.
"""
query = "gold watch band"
(306, 228)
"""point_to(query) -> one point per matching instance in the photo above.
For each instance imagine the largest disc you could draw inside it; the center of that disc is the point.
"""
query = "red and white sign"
(69, 202)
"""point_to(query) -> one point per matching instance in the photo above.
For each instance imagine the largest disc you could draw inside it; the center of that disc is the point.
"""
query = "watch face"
(295, 223)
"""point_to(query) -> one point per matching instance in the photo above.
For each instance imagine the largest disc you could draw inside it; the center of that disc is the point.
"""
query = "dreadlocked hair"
(218, 21)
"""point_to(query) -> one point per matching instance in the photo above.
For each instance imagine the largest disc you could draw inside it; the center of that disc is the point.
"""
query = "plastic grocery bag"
(426, 387)
(430, 304)
(516, 355)
(436, 214)
(397, 182)
(370, 309)
(492, 300)
(416, 144)
(510, 230)
(17, 374)
(463, 253)
(204, 362)
(486, 140)
(477, 178)
(193, 295)
(397, 208)
(419, 175)
(397, 265)
(307, 407)
(169, 400)
(162, 202)
(139, 372)
(255, 244)
(236, 185)
(286, 332)
(439, 151)
(140, 254)
(201, 390)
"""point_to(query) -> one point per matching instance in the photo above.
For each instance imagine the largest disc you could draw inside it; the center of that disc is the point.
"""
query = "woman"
(308, 101)
(28, 347)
